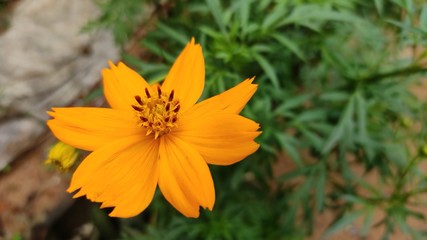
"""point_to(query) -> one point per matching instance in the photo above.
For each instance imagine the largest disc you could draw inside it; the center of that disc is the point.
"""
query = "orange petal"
(187, 76)
(222, 138)
(122, 174)
(92, 128)
(185, 179)
(121, 85)
(231, 101)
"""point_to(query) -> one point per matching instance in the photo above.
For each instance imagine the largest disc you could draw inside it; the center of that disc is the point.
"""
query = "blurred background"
(341, 102)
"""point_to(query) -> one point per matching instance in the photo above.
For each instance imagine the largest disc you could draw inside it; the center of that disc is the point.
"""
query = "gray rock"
(16, 135)
(46, 61)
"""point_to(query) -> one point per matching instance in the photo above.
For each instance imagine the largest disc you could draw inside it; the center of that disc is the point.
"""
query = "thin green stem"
(401, 177)
(399, 72)
(417, 191)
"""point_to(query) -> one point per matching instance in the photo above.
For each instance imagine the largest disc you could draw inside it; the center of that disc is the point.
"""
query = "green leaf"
(288, 144)
(379, 4)
(367, 224)
(154, 48)
(274, 17)
(260, 48)
(291, 103)
(343, 126)
(334, 96)
(409, 7)
(313, 138)
(416, 214)
(262, 5)
(311, 115)
(401, 222)
(342, 222)
(311, 12)
(397, 154)
(291, 45)
(336, 134)
(216, 10)
(210, 32)
(173, 34)
(353, 199)
(148, 68)
(361, 115)
(423, 18)
(301, 194)
(320, 187)
(373, 190)
(244, 11)
(268, 68)
(301, 171)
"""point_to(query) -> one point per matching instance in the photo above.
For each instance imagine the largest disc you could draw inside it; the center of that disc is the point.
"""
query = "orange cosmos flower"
(157, 136)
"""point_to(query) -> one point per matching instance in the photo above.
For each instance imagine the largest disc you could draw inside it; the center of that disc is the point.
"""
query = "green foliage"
(333, 96)
(120, 17)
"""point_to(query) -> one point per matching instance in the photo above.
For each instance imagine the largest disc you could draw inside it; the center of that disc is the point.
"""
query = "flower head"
(62, 156)
(157, 136)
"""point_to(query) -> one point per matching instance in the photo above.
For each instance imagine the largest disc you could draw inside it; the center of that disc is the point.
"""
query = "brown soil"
(31, 194)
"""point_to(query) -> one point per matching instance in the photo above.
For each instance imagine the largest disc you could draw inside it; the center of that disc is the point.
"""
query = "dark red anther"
(138, 99)
(167, 119)
(159, 91)
(168, 106)
(137, 108)
(143, 119)
(147, 93)
(174, 119)
(177, 108)
(171, 95)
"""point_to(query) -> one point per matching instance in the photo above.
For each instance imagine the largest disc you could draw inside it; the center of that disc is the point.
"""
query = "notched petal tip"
(111, 64)
(250, 80)
(77, 194)
(51, 113)
(105, 72)
(116, 214)
(119, 213)
(112, 214)
(71, 189)
(192, 45)
(121, 65)
(193, 41)
(193, 216)
(105, 205)
(210, 208)
(74, 189)
(115, 66)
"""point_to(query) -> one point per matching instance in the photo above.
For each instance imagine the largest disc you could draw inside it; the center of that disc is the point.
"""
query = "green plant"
(333, 95)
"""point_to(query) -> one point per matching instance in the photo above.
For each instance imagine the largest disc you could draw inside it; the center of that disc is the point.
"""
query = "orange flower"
(157, 136)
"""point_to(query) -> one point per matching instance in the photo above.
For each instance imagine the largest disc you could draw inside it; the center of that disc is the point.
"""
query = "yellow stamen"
(157, 113)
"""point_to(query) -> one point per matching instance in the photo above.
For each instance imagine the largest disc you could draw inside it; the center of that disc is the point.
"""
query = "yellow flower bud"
(62, 156)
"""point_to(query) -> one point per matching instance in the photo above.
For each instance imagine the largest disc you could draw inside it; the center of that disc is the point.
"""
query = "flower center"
(158, 113)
